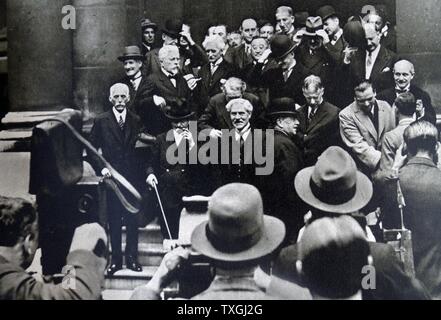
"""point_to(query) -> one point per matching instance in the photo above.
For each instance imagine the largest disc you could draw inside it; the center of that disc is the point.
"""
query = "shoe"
(113, 268)
(133, 265)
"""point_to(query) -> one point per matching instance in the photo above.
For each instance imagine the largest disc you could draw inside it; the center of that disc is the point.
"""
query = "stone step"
(149, 234)
(111, 294)
(128, 280)
(149, 254)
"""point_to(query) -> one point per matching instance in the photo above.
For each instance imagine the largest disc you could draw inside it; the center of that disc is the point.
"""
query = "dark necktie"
(121, 123)
(374, 117)
(311, 115)
(242, 150)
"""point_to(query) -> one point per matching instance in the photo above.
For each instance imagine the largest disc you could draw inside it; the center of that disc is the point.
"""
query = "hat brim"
(273, 235)
(186, 117)
(283, 113)
(134, 57)
(311, 34)
(363, 194)
(152, 26)
(170, 33)
(291, 49)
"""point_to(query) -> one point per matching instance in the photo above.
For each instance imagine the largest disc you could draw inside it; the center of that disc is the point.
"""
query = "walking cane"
(162, 211)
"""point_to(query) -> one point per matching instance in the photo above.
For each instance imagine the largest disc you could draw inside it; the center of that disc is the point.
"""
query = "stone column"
(39, 56)
(104, 27)
(418, 28)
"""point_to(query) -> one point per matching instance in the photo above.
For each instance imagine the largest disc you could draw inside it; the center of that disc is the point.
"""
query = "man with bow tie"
(166, 85)
(404, 72)
(116, 132)
(176, 179)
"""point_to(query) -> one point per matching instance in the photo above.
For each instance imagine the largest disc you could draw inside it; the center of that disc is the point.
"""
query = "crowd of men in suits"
(345, 122)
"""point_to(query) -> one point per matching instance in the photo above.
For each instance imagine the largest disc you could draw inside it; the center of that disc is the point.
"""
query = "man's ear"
(110, 99)
(29, 244)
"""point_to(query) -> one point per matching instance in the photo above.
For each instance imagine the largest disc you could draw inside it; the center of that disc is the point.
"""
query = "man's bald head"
(404, 72)
(249, 29)
(119, 88)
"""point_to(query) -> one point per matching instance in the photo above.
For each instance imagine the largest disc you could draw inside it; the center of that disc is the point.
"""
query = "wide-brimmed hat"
(282, 107)
(173, 27)
(147, 23)
(178, 110)
(237, 230)
(281, 46)
(313, 24)
(334, 184)
(131, 52)
(327, 11)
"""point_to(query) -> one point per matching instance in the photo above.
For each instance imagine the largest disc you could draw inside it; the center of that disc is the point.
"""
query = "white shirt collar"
(136, 80)
(119, 114)
(244, 133)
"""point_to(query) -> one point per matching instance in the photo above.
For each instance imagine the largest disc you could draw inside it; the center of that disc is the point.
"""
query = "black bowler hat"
(173, 27)
(326, 12)
(282, 107)
(178, 110)
(131, 52)
(281, 46)
(354, 34)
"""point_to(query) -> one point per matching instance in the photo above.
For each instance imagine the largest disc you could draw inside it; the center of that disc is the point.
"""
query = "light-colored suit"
(360, 136)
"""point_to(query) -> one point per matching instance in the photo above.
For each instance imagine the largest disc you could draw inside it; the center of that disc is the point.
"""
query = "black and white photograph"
(240, 151)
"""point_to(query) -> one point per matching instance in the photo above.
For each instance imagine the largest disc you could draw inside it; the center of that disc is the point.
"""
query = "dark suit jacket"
(389, 96)
(175, 180)
(118, 147)
(210, 84)
(420, 182)
(319, 64)
(272, 78)
(159, 84)
(279, 195)
(392, 283)
(381, 75)
(336, 50)
(321, 133)
(139, 99)
(16, 284)
(240, 57)
(216, 116)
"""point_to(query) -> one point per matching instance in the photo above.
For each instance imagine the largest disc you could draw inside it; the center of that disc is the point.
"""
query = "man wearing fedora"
(132, 60)
(285, 80)
(175, 180)
(116, 132)
(320, 124)
(278, 192)
(363, 125)
(333, 40)
(332, 188)
(236, 237)
(149, 30)
(314, 57)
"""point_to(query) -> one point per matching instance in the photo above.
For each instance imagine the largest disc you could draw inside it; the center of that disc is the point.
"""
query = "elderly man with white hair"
(404, 72)
(165, 86)
(216, 71)
(116, 132)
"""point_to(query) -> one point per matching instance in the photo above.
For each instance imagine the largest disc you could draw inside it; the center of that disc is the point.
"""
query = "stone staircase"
(150, 251)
